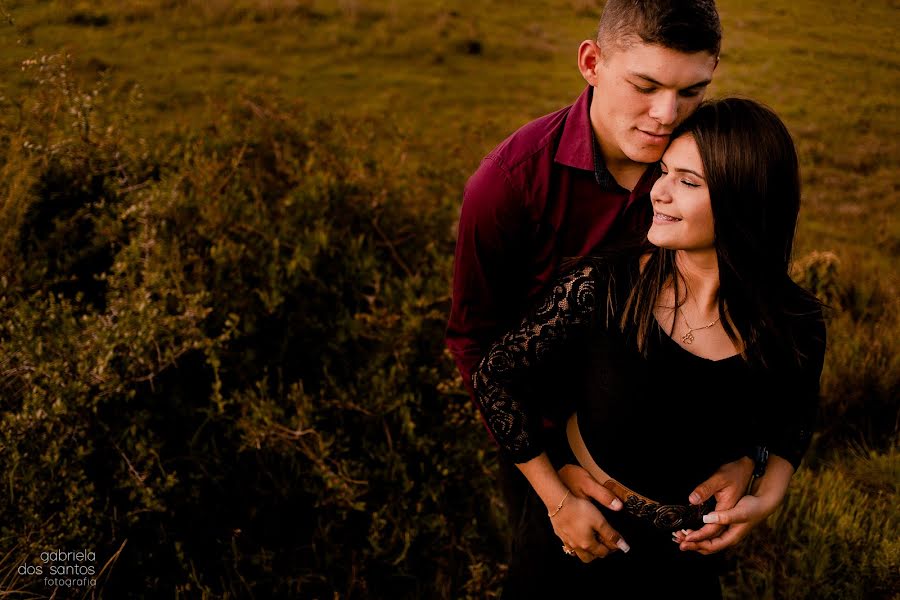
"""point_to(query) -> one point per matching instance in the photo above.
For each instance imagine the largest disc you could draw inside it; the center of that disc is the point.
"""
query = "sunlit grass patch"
(834, 537)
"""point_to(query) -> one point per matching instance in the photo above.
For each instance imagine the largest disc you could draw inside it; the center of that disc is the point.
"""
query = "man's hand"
(728, 526)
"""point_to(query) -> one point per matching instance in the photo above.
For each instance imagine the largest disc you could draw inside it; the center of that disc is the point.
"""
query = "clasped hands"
(582, 527)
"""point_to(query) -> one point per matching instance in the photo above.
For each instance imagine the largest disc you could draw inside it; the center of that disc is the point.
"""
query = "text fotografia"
(64, 569)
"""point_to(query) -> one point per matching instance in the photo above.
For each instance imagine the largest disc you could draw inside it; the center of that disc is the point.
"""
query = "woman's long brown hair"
(751, 168)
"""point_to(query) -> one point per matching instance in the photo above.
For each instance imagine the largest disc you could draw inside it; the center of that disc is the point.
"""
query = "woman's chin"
(656, 240)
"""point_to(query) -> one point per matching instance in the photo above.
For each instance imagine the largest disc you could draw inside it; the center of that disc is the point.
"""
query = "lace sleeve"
(565, 312)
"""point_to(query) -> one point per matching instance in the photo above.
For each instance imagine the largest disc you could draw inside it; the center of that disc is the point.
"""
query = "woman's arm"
(787, 436)
(790, 427)
(576, 521)
(750, 510)
(564, 315)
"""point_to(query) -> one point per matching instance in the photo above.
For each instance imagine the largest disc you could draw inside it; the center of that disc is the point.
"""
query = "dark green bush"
(229, 357)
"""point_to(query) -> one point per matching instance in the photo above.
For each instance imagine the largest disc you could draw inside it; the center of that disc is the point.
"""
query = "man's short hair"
(685, 25)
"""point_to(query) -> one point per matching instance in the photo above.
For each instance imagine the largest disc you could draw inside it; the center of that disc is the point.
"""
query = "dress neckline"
(665, 334)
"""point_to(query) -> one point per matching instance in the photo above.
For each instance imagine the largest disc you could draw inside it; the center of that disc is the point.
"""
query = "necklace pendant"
(687, 338)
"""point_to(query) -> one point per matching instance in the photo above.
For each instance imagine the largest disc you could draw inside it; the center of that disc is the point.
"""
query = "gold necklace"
(688, 338)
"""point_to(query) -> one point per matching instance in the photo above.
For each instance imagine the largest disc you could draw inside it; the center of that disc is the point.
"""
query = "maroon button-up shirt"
(542, 195)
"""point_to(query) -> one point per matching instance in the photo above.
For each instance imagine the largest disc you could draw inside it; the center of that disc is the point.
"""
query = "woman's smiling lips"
(663, 218)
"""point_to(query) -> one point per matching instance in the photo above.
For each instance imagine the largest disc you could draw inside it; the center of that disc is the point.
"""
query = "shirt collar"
(601, 173)
(575, 145)
(578, 146)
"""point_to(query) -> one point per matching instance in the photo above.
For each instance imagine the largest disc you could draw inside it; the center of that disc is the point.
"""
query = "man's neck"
(627, 173)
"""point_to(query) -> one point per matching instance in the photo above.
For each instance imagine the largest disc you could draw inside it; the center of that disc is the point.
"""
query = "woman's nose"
(660, 191)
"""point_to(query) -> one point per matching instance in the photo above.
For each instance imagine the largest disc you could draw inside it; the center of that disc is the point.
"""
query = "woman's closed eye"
(686, 182)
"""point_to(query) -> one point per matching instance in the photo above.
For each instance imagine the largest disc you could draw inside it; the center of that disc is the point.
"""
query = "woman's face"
(682, 213)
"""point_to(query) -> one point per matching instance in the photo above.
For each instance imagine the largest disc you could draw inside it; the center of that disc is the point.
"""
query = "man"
(565, 185)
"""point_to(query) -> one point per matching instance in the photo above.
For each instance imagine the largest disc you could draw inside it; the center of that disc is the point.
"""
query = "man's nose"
(665, 108)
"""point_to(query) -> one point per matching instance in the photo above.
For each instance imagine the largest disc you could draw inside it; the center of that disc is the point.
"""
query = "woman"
(700, 326)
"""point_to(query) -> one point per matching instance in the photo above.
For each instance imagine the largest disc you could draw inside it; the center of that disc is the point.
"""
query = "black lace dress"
(659, 424)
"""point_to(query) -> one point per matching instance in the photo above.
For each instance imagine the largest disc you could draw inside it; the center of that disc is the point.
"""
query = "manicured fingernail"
(675, 539)
(622, 545)
(685, 531)
(694, 498)
(616, 504)
(711, 518)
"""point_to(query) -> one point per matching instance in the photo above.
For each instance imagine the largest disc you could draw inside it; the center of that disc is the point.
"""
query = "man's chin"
(645, 155)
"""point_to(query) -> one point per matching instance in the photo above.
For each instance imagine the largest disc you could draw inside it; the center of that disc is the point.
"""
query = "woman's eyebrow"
(692, 172)
(682, 170)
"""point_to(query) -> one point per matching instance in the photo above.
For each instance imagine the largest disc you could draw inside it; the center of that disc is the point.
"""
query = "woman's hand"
(728, 484)
(737, 522)
(581, 527)
(585, 529)
(576, 521)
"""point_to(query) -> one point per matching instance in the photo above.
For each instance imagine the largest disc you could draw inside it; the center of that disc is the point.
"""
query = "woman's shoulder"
(599, 281)
(600, 267)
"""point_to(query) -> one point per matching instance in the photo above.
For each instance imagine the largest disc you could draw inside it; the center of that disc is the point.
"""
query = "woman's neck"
(700, 282)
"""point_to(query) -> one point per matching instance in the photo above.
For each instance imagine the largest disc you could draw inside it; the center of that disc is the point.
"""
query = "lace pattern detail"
(565, 311)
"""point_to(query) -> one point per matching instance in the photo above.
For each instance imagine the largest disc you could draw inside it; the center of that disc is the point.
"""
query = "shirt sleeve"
(488, 249)
(564, 315)
(790, 433)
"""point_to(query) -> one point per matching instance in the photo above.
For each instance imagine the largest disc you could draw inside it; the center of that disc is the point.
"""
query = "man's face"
(642, 93)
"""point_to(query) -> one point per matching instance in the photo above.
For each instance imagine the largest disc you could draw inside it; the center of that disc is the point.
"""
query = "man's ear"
(717, 62)
(589, 57)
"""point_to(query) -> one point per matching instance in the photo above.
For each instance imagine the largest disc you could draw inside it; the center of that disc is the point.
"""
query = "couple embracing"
(625, 320)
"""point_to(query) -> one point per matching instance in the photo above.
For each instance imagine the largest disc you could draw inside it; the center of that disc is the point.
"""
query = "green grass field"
(435, 85)
(830, 69)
